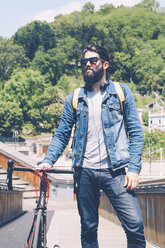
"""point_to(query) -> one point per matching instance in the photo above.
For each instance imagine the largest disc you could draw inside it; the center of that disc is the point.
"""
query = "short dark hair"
(102, 52)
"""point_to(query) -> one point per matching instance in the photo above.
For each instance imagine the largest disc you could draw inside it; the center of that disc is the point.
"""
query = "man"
(106, 141)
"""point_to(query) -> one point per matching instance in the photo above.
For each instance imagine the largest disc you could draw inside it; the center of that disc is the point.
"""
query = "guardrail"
(152, 203)
(11, 205)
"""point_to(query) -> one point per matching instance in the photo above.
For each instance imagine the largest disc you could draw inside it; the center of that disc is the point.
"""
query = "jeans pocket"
(121, 188)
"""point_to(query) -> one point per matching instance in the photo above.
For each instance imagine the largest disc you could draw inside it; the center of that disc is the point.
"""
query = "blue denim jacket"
(122, 131)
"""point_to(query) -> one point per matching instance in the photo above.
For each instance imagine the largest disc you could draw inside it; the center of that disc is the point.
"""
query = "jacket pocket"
(115, 111)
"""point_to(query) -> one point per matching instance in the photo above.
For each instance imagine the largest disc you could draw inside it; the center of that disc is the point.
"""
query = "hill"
(40, 64)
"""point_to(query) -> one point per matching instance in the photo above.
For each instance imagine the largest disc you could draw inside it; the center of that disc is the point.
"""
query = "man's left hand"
(131, 180)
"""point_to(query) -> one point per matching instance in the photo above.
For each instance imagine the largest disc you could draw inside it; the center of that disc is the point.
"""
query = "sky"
(17, 13)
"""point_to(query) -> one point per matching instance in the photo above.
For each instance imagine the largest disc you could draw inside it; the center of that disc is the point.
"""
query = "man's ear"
(105, 65)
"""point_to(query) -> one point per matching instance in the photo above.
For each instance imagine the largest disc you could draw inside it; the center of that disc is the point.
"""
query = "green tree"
(153, 141)
(34, 97)
(89, 7)
(11, 117)
(33, 35)
(60, 60)
(149, 4)
(145, 118)
(11, 57)
(106, 9)
(68, 83)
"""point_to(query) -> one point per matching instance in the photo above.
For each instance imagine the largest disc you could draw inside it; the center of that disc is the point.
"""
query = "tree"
(68, 83)
(145, 118)
(33, 35)
(11, 57)
(153, 141)
(34, 97)
(89, 7)
(146, 68)
(11, 118)
(149, 4)
(106, 9)
(60, 60)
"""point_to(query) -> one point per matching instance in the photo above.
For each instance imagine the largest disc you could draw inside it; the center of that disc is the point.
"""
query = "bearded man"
(106, 142)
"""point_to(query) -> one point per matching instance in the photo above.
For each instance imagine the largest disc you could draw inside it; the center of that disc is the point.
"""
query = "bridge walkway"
(64, 228)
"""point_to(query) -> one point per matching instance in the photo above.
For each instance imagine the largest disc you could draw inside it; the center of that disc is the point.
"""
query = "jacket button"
(84, 114)
(78, 154)
(81, 134)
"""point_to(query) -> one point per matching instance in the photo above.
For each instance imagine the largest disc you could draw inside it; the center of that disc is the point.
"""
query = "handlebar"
(53, 170)
(12, 168)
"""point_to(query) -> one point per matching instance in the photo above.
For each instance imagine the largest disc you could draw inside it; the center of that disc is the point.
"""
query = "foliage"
(40, 63)
(11, 117)
(153, 141)
(12, 56)
(89, 7)
(69, 83)
(145, 118)
(34, 35)
(57, 61)
(143, 101)
(35, 99)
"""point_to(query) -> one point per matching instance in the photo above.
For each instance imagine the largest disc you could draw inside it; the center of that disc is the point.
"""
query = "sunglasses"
(92, 60)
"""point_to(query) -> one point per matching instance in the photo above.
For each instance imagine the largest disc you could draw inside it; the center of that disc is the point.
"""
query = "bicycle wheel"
(37, 240)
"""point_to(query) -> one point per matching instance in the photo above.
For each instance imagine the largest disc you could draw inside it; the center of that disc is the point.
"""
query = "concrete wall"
(153, 169)
(10, 205)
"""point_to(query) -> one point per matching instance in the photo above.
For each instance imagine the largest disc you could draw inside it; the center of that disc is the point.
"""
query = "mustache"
(92, 69)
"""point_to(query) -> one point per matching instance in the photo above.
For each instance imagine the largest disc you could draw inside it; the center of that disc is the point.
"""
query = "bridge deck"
(64, 229)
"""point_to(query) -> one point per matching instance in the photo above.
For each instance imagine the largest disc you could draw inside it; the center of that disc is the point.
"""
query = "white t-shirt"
(95, 156)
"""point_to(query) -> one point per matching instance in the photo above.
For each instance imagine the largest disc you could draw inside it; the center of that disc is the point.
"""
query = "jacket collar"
(110, 89)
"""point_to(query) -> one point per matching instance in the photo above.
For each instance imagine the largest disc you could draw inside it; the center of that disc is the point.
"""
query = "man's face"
(92, 69)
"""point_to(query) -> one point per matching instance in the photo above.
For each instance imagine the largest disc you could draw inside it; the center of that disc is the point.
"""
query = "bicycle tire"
(37, 240)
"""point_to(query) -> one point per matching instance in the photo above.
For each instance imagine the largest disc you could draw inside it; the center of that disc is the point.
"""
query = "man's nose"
(88, 63)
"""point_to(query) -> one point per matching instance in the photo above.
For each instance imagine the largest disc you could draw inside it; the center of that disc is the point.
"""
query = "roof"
(160, 112)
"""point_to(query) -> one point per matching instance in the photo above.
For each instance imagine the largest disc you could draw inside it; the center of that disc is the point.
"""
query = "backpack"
(119, 91)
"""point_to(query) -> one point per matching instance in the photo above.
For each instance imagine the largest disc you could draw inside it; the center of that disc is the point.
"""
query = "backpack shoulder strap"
(120, 93)
(118, 88)
(75, 98)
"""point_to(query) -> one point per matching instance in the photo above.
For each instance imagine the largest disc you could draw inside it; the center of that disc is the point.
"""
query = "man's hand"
(131, 180)
(43, 166)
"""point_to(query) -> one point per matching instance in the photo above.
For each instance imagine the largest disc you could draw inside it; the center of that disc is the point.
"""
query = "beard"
(92, 77)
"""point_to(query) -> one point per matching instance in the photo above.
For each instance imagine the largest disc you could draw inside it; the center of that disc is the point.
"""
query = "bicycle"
(37, 235)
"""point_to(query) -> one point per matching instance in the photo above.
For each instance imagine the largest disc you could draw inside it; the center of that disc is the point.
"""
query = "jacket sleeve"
(62, 135)
(134, 131)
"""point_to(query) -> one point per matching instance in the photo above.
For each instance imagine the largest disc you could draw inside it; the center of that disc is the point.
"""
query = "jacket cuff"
(47, 161)
(133, 168)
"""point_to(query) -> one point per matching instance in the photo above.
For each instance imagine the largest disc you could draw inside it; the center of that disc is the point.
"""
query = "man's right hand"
(43, 166)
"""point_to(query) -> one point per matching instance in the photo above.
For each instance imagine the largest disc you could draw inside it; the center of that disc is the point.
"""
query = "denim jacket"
(122, 131)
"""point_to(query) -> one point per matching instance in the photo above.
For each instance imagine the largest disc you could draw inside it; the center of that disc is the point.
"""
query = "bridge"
(63, 219)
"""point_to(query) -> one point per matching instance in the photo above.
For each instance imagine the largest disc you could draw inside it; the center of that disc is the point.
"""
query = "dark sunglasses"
(92, 60)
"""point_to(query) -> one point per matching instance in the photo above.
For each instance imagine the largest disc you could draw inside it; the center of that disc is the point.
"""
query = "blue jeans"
(124, 202)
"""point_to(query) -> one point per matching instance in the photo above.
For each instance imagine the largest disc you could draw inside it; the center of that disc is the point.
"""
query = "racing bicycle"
(37, 234)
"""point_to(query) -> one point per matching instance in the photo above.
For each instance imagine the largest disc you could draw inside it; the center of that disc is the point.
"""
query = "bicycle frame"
(37, 234)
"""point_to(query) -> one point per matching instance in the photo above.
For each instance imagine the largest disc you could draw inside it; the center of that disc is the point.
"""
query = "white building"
(157, 120)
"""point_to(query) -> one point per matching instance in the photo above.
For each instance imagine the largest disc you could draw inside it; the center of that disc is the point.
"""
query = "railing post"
(9, 174)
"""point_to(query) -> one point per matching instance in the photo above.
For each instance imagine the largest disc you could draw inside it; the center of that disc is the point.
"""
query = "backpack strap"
(75, 98)
(119, 91)
(120, 94)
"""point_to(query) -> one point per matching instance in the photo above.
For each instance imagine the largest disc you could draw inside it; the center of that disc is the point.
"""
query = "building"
(156, 120)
